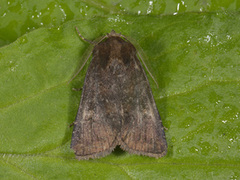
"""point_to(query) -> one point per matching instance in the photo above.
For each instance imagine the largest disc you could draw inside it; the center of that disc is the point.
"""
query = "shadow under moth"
(117, 106)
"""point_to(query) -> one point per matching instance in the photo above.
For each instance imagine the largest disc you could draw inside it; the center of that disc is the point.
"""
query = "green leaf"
(193, 56)
(19, 17)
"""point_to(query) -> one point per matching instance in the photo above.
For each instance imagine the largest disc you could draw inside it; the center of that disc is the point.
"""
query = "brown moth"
(117, 105)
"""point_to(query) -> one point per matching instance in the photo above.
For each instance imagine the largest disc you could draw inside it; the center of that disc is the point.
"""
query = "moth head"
(113, 33)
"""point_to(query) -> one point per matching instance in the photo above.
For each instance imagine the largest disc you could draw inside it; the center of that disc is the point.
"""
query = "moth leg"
(77, 89)
(71, 124)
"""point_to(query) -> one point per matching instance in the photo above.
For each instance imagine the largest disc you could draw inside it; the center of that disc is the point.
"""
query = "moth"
(117, 106)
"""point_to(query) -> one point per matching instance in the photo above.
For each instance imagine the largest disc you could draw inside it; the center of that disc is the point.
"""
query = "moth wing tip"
(95, 155)
(144, 153)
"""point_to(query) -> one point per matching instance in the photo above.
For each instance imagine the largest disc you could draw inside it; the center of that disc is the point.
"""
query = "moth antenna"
(91, 42)
(141, 59)
(80, 68)
(147, 69)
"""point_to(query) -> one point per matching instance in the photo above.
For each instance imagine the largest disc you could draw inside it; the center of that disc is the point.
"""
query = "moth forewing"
(117, 106)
